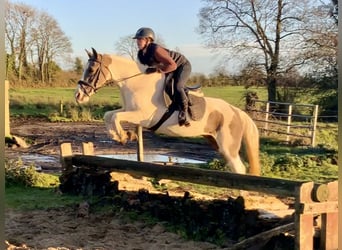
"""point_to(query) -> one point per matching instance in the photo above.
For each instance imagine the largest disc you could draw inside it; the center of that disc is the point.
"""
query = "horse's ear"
(94, 52)
(89, 54)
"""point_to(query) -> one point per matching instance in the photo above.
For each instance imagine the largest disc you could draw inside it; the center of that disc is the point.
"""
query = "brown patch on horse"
(214, 122)
(106, 60)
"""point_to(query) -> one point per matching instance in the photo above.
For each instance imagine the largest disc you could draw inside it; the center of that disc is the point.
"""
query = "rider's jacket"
(149, 58)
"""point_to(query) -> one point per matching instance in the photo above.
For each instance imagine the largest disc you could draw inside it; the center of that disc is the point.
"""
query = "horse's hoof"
(123, 142)
(184, 123)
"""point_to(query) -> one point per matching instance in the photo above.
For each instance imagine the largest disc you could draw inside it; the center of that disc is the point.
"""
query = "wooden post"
(313, 131)
(266, 117)
(304, 221)
(66, 153)
(61, 107)
(7, 115)
(140, 146)
(329, 227)
(288, 127)
(87, 148)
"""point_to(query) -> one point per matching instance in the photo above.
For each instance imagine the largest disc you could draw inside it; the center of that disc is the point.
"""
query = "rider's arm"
(167, 64)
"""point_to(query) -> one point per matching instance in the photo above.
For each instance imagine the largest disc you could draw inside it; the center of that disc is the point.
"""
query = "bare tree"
(261, 32)
(127, 46)
(19, 19)
(34, 40)
(50, 43)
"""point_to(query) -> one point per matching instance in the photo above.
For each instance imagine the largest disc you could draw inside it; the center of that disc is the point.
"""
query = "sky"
(101, 23)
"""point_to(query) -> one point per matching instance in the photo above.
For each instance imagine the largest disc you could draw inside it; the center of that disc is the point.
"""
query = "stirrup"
(185, 123)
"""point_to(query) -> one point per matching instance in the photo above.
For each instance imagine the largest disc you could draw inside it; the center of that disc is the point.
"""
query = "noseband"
(84, 84)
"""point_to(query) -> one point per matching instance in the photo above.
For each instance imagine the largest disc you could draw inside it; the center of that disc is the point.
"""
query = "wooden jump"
(310, 199)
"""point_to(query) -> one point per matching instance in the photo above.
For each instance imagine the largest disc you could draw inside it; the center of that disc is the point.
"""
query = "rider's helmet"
(144, 33)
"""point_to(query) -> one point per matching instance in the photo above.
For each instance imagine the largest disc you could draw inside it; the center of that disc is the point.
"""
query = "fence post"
(288, 127)
(313, 131)
(329, 228)
(266, 118)
(303, 221)
(87, 148)
(66, 153)
(61, 107)
(140, 146)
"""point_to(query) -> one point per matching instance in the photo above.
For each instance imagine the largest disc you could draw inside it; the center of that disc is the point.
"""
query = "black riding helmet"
(144, 32)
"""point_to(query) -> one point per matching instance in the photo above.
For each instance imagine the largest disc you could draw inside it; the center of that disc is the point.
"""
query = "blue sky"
(101, 23)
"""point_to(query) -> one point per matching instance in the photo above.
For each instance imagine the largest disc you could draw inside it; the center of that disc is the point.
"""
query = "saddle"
(196, 103)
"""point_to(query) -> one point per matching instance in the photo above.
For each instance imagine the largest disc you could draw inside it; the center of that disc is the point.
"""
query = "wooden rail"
(310, 199)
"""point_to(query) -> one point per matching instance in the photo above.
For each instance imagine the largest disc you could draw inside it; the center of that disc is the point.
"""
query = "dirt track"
(64, 229)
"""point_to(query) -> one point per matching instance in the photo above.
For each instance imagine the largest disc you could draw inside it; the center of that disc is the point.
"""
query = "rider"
(174, 65)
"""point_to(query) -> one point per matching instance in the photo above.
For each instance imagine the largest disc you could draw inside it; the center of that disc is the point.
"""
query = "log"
(187, 174)
(262, 237)
(320, 193)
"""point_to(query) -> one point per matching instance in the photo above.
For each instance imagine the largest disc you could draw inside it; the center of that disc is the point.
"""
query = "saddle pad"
(197, 107)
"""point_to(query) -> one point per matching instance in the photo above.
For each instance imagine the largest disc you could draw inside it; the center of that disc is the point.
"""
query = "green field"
(110, 95)
(44, 101)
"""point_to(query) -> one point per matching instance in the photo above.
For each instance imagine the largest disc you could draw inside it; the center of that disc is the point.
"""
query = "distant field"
(110, 95)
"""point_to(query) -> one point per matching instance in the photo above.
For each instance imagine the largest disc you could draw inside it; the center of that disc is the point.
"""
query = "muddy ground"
(65, 229)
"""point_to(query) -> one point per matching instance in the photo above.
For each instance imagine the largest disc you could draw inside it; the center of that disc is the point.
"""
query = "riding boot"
(182, 116)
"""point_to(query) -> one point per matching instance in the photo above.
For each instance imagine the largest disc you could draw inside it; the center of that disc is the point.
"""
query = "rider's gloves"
(151, 70)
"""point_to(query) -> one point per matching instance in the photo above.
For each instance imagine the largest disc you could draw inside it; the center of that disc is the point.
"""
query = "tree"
(19, 19)
(78, 66)
(262, 32)
(323, 44)
(34, 43)
(251, 75)
(126, 46)
(50, 43)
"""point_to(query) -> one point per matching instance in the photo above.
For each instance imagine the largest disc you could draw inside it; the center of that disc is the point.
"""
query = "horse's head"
(95, 75)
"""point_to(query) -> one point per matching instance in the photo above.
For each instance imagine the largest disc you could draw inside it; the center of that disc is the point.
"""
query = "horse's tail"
(251, 140)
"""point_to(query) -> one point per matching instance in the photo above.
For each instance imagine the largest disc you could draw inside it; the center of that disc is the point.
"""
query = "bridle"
(95, 78)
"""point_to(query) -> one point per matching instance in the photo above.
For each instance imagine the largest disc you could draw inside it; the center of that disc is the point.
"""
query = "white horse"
(143, 103)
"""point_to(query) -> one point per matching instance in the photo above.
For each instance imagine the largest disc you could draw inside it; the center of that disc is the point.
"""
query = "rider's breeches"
(180, 77)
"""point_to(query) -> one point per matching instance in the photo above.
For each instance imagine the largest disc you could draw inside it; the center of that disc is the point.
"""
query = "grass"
(46, 101)
(234, 94)
(24, 198)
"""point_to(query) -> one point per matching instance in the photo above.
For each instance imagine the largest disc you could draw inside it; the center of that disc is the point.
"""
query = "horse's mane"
(126, 60)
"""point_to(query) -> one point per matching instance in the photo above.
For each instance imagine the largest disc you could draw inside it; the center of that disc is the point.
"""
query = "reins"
(97, 74)
(124, 78)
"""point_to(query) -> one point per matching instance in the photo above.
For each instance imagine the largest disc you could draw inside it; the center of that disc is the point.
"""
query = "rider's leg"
(183, 108)
(181, 76)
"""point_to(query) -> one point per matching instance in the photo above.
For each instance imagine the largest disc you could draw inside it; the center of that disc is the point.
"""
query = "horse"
(144, 103)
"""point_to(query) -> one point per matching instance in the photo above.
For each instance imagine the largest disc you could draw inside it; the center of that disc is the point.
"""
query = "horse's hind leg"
(229, 147)
(232, 158)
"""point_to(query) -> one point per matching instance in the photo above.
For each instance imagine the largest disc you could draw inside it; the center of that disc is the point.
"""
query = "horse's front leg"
(113, 121)
(112, 131)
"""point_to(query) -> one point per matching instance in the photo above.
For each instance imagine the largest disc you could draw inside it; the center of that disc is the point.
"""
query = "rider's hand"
(151, 70)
